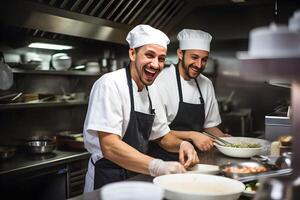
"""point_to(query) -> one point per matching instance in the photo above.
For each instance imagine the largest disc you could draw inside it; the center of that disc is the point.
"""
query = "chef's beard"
(186, 68)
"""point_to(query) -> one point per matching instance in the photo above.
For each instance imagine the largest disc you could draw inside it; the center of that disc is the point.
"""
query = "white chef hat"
(194, 39)
(145, 34)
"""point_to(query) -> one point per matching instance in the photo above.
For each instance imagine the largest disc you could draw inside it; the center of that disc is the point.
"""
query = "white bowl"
(199, 187)
(241, 152)
(61, 61)
(131, 190)
(203, 169)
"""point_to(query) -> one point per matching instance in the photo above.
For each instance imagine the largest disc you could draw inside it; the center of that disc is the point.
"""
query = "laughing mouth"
(150, 73)
(195, 69)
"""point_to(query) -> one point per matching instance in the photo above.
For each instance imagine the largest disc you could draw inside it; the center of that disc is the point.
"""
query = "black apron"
(136, 135)
(190, 117)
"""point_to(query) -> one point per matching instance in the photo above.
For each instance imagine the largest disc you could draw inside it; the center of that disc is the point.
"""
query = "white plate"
(203, 169)
(199, 187)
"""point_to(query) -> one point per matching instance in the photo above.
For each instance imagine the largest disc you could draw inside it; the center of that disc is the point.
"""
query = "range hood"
(103, 20)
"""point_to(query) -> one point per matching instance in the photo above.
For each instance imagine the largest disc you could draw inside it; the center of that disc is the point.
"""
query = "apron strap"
(180, 89)
(129, 82)
(152, 111)
(201, 98)
(178, 83)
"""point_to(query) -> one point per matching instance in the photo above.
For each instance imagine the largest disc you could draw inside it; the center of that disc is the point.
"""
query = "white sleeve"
(212, 117)
(105, 108)
(160, 125)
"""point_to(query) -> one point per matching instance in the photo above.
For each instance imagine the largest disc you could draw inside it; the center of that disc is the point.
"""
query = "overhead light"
(238, 1)
(49, 46)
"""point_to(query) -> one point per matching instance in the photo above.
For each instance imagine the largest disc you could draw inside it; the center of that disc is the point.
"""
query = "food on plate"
(79, 139)
(244, 145)
(244, 169)
(252, 186)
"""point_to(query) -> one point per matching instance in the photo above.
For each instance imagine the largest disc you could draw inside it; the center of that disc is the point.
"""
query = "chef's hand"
(202, 142)
(158, 167)
(187, 155)
(226, 135)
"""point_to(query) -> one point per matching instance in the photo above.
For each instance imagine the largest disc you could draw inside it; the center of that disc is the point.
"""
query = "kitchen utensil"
(203, 169)
(41, 147)
(10, 98)
(284, 161)
(6, 74)
(268, 174)
(199, 187)
(241, 152)
(243, 169)
(7, 152)
(133, 190)
(219, 140)
(41, 144)
(260, 158)
(61, 61)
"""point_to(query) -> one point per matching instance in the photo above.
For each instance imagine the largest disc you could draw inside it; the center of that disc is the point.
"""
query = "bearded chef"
(121, 119)
(187, 96)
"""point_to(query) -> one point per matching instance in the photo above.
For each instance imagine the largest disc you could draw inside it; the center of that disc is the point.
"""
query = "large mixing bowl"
(199, 187)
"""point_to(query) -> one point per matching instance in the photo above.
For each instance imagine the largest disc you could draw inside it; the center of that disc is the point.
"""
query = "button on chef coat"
(166, 86)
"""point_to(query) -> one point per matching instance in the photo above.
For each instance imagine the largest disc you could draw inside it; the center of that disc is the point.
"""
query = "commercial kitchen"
(53, 51)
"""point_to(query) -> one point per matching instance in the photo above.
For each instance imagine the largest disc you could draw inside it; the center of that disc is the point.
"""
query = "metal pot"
(41, 144)
(41, 147)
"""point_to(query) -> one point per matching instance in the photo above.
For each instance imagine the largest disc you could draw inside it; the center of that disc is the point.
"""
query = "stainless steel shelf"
(48, 72)
(262, 69)
(41, 105)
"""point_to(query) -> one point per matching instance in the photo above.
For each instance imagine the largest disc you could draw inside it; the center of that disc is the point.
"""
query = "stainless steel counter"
(25, 162)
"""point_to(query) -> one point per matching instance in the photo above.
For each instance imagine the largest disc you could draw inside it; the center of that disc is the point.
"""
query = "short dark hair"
(137, 49)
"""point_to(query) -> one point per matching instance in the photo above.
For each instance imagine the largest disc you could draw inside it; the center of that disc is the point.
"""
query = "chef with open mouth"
(121, 119)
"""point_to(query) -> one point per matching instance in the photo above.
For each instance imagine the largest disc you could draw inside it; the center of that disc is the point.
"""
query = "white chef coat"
(109, 111)
(166, 85)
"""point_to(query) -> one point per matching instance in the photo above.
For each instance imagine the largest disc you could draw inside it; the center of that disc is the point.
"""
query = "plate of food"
(203, 169)
(243, 169)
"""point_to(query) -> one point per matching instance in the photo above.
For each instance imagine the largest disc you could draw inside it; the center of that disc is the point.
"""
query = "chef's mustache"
(196, 68)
